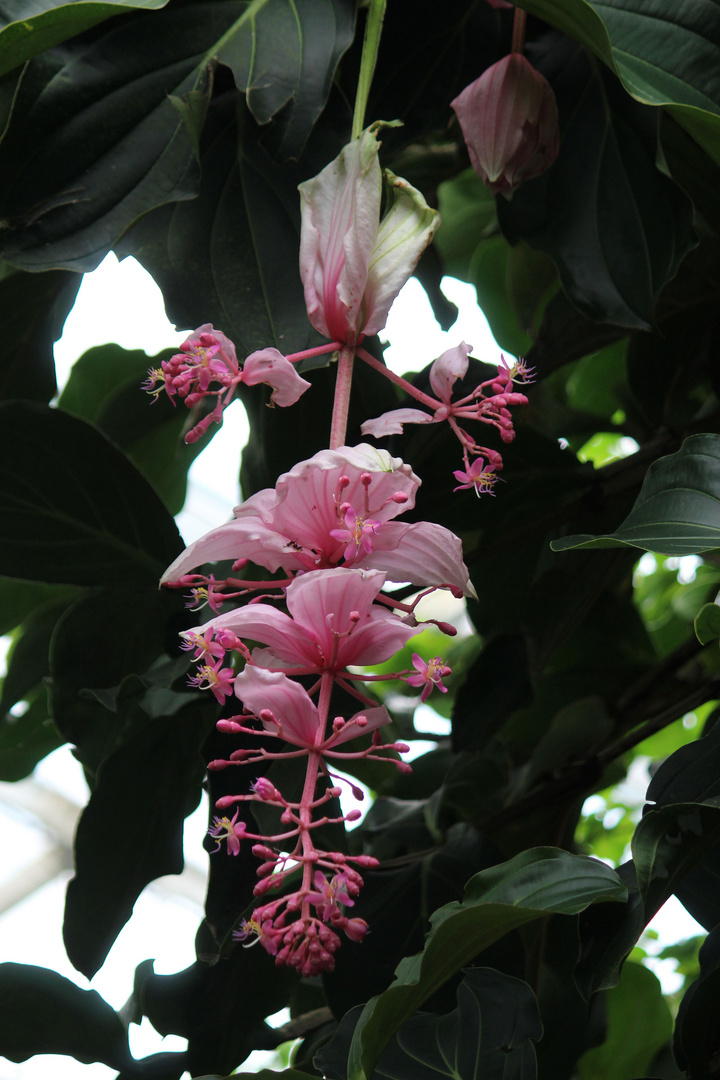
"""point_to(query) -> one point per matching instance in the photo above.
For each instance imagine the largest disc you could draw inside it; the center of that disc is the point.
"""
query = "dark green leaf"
(707, 624)
(84, 518)
(676, 512)
(34, 308)
(488, 1036)
(615, 227)
(28, 738)
(534, 883)
(131, 831)
(639, 1023)
(28, 27)
(661, 51)
(122, 87)
(74, 1021)
(697, 1029)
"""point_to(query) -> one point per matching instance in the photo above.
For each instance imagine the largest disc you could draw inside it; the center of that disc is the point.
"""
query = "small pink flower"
(357, 534)
(480, 476)
(229, 829)
(429, 675)
(216, 678)
(510, 123)
(329, 894)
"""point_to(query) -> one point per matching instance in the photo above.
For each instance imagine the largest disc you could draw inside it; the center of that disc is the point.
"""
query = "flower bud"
(510, 124)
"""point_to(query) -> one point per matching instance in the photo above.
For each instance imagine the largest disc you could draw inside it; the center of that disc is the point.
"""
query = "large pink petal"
(391, 423)
(423, 553)
(243, 538)
(452, 365)
(270, 366)
(287, 701)
(261, 622)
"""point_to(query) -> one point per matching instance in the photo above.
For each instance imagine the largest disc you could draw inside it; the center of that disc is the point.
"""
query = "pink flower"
(352, 263)
(329, 895)
(294, 526)
(491, 408)
(429, 675)
(207, 366)
(510, 123)
(478, 476)
(224, 828)
(216, 678)
(333, 622)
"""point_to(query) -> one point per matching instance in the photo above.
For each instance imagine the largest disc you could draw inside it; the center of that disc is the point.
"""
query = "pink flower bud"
(509, 120)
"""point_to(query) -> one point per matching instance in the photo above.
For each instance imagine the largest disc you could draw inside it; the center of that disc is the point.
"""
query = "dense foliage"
(178, 131)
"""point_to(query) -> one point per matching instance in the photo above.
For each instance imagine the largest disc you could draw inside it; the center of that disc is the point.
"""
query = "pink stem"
(343, 382)
(333, 346)
(432, 403)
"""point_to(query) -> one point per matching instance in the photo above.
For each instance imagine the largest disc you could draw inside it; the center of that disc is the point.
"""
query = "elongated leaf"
(498, 900)
(131, 832)
(662, 51)
(603, 196)
(28, 27)
(697, 1036)
(74, 1021)
(25, 740)
(678, 509)
(84, 518)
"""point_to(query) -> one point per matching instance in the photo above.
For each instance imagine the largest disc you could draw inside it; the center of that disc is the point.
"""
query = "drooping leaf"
(697, 1031)
(639, 1023)
(488, 1036)
(138, 90)
(34, 308)
(572, 212)
(84, 518)
(676, 512)
(536, 882)
(26, 30)
(707, 624)
(131, 831)
(660, 51)
(74, 1022)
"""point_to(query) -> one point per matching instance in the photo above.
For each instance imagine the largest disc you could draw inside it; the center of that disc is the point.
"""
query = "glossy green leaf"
(138, 91)
(614, 226)
(639, 1023)
(85, 517)
(661, 50)
(697, 1041)
(488, 1036)
(74, 1022)
(677, 511)
(131, 831)
(28, 27)
(534, 883)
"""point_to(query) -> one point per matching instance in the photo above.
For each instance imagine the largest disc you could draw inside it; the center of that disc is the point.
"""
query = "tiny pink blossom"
(429, 675)
(229, 829)
(357, 534)
(480, 476)
(216, 678)
(329, 894)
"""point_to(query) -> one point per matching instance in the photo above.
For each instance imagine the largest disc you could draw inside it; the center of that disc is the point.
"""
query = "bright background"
(120, 303)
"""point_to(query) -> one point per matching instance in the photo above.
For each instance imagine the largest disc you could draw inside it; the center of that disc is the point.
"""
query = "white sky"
(120, 303)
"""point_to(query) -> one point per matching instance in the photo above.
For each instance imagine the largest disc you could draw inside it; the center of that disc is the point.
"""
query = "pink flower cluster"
(207, 367)
(489, 403)
(328, 527)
